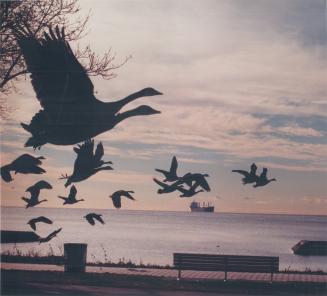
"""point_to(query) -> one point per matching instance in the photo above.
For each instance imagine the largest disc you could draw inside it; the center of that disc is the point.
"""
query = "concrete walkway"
(170, 273)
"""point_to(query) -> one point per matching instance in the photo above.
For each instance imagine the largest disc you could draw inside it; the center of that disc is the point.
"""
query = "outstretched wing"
(98, 217)
(263, 175)
(89, 219)
(98, 153)
(244, 173)
(85, 159)
(174, 165)
(44, 220)
(163, 185)
(43, 185)
(72, 192)
(57, 76)
(116, 200)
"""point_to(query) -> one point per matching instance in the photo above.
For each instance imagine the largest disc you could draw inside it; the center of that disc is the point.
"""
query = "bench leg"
(225, 279)
(271, 277)
(179, 274)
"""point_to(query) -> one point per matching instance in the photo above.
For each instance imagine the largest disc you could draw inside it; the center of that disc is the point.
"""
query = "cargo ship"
(205, 207)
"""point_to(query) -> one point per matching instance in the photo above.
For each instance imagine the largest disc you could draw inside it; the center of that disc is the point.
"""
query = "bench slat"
(238, 263)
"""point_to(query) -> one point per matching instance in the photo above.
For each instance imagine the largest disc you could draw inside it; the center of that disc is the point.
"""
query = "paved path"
(187, 274)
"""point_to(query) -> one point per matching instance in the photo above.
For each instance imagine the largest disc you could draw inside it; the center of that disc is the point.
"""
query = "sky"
(242, 82)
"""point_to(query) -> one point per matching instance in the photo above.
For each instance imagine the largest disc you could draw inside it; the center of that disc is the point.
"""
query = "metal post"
(226, 267)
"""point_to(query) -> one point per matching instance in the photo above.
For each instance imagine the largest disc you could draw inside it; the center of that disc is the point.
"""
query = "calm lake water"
(152, 237)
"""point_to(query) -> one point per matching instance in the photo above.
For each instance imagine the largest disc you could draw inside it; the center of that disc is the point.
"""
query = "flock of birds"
(71, 114)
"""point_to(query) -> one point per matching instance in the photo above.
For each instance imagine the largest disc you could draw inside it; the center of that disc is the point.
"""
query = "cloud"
(315, 200)
(295, 130)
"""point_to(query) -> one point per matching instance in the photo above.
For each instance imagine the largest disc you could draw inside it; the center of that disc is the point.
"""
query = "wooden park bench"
(226, 263)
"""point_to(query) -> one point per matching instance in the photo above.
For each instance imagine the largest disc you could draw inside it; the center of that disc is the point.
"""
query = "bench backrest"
(238, 263)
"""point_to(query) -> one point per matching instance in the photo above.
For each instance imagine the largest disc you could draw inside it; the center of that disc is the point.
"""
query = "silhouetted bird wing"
(98, 153)
(253, 168)
(43, 185)
(89, 218)
(32, 223)
(85, 160)
(57, 77)
(203, 183)
(5, 174)
(44, 220)
(263, 175)
(163, 185)
(72, 193)
(174, 165)
(116, 200)
(244, 173)
(50, 236)
(27, 200)
(127, 194)
(98, 217)
(26, 160)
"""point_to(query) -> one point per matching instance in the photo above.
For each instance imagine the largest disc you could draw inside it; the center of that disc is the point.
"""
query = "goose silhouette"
(50, 236)
(42, 219)
(249, 177)
(71, 113)
(262, 180)
(117, 195)
(171, 175)
(190, 191)
(87, 163)
(35, 192)
(92, 217)
(35, 189)
(165, 188)
(198, 180)
(24, 164)
(71, 199)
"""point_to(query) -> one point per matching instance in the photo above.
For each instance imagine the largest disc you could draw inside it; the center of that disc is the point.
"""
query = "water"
(152, 237)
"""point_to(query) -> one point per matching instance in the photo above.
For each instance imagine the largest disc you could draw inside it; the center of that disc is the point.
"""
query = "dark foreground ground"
(14, 282)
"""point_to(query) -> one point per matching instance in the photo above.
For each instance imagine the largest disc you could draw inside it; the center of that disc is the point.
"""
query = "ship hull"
(203, 209)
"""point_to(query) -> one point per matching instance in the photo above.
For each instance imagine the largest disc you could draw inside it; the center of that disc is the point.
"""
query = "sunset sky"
(243, 82)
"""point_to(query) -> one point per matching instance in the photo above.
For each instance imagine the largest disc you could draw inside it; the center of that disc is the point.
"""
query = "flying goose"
(117, 195)
(249, 177)
(170, 175)
(71, 113)
(71, 199)
(262, 180)
(24, 164)
(165, 187)
(190, 191)
(43, 219)
(50, 236)
(92, 217)
(198, 179)
(87, 163)
(34, 190)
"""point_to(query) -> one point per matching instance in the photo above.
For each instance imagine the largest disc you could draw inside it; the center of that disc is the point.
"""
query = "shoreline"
(59, 261)
(15, 282)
